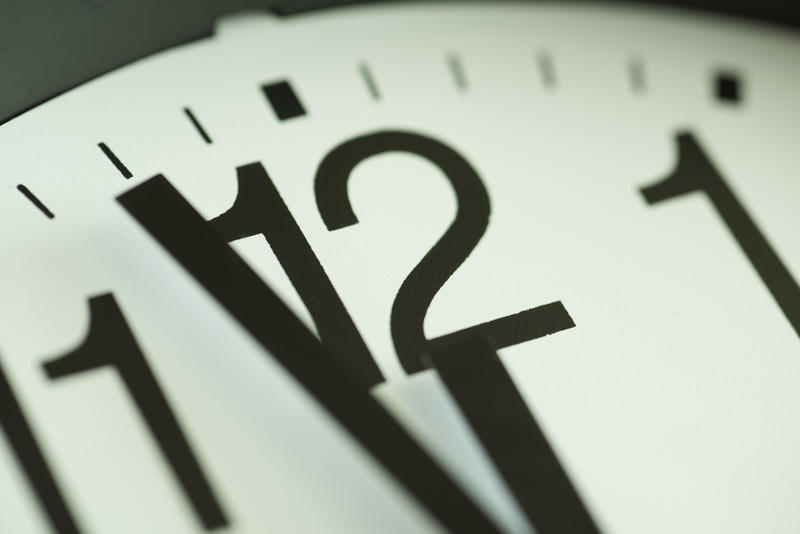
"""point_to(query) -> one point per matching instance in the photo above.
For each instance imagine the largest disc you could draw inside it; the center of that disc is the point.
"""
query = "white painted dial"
(672, 404)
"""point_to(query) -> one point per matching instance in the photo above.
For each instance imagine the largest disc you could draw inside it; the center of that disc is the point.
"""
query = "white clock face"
(523, 139)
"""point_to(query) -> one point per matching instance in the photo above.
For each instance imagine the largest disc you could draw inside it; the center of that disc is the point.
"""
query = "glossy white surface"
(674, 403)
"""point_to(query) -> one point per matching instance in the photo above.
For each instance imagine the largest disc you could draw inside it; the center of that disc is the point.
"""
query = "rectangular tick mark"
(197, 125)
(457, 70)
(728, 87)
(637, 75)
(36, 202)
(546, 69)
(283, 100)
(115, 160)
(369, 81)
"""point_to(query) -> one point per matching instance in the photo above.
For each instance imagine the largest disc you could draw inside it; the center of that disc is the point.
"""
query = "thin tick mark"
(637, 75)
(115, 160)
(369, 81)
(457, 70)
(197, 125)
(546, 69)
(36, 202)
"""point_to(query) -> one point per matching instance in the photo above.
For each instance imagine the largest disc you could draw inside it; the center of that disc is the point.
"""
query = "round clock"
(402, 268)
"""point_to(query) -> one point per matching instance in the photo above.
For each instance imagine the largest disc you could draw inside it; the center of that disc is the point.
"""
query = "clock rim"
(49, 48)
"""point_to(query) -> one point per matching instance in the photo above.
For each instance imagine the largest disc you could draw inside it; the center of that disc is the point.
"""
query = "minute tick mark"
(369, 81)
(637, 75)
(36, 202)
(457, 70)
(546, 69)
(197, 125)
(115, 160)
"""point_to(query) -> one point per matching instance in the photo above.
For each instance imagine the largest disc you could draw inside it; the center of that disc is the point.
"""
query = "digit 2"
(417, 291)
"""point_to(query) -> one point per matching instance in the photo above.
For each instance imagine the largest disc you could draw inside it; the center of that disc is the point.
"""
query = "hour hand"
(193, 243)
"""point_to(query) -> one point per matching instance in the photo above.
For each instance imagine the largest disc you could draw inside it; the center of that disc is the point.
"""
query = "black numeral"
(110, 342)
(695, 173)
(259, 209)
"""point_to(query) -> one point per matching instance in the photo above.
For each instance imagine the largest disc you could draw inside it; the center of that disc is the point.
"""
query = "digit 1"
(695, 173)
(20, 436)
(110, 342)
(259, 209)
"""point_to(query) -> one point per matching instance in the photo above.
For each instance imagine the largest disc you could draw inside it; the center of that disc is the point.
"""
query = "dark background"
(49, 46)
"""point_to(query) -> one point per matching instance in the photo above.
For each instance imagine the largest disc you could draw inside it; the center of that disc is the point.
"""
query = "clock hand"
(479, 383)
(695, 173)
(193, 243)
(30, 456)
(519, 450)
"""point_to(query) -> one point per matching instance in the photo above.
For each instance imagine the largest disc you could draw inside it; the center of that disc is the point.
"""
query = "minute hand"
(193, 243)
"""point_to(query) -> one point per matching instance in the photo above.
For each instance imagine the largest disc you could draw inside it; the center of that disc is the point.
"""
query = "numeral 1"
(111, 343)
(259, 209)
(695, 173)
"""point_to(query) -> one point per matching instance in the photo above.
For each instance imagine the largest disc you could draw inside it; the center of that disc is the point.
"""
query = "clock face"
(557, 245)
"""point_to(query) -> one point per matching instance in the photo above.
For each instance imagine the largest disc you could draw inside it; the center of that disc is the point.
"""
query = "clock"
(450, 267)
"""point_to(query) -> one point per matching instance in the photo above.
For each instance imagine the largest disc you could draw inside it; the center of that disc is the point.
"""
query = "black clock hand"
(485, 394)
(31, 458)
(695, 173)
(494, 408)
(193, 243)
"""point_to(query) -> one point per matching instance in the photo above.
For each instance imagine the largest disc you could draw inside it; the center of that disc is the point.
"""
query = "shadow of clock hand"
(194, 244)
